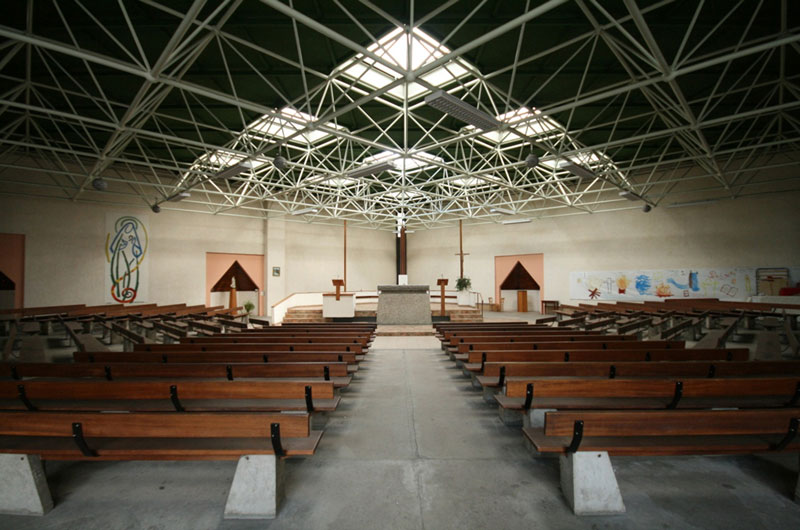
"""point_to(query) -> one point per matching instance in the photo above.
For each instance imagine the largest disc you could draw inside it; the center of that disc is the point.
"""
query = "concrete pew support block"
(257, 488)
(797, 488)
(589, 484)
(23, 488)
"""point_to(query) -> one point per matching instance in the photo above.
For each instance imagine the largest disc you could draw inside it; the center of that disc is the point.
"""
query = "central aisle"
(412, 446)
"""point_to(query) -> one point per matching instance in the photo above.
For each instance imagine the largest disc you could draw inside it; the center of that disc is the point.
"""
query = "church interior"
(373, 264)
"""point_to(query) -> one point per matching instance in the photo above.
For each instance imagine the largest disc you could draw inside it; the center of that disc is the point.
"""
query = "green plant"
(249, 306)
(463, 284)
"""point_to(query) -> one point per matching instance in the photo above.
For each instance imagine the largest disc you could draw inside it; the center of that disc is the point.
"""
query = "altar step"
(309, 315)
(464, 315)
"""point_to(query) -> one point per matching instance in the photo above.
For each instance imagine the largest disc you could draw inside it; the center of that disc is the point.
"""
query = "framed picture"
(276, 271)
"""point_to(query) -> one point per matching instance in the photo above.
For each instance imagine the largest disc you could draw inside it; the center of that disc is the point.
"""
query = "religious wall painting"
(735, 283)
(126, 246)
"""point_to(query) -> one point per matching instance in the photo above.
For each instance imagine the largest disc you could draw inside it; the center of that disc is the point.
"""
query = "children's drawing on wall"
(125, 250)
(659, 284)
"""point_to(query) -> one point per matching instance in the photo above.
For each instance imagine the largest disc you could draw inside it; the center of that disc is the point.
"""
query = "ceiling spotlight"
(461, 110)
(280, 162)
(99, 184)
(646, 208)
(156, 208)
(504, 211)
(531, 160)
(179, 196)
(369, 170)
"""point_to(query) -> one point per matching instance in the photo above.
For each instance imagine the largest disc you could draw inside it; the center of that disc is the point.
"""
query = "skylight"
(279, 127)
(531, 124)
(394, 48)
(411, 164)
(582, 159)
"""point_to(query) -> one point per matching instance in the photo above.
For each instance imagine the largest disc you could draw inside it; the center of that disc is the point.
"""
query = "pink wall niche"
(12, 263)
(217, 263)
(533, 263)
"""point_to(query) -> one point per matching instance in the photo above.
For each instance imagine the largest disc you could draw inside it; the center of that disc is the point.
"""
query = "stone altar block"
(404, 304)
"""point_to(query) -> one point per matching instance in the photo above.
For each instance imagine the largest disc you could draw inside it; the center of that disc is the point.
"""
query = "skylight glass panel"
(531, 124)
(403, 194)
(278, 127)
(398, 162)
(583, 159)
(394, 48)
(474, 181)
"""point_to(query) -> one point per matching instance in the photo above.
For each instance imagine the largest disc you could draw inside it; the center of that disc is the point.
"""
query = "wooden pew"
(573, 345)
(253, 346)
(585, 439)
(507, 342)
(477, 359)
(496, 374)
(529, 399)
(169, 395)
(252, 338)
(335, 372)
(216, 357)
(257, 440)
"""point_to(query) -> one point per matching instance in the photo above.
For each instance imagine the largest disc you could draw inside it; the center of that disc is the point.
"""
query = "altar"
(404, 304)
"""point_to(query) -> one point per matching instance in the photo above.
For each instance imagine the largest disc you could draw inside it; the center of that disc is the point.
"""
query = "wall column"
(274, 256)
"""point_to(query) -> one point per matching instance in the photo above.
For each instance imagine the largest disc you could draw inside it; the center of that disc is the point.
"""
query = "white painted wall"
(749, 232)
(65, 262)
(314, 256)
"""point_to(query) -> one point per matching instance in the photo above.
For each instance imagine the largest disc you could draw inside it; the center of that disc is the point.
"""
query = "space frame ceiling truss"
(447, 173)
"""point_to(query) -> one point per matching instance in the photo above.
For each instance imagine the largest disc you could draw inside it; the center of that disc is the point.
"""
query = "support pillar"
(257, 488)
(23, 489)
(589, 484)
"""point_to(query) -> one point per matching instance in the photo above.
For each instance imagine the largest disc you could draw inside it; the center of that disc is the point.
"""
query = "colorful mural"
(654, 284)
(125, 249)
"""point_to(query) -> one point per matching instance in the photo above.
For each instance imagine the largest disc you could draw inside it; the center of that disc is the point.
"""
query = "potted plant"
(248, 306)
(463, 285)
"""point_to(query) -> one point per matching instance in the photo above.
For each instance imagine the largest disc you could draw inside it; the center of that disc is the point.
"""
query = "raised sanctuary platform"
(404, 304)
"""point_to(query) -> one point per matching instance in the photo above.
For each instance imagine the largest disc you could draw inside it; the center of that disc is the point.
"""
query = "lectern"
(442, 283)
(338, 284)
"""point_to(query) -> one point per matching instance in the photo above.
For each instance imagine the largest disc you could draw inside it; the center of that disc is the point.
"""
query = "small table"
(549, 306)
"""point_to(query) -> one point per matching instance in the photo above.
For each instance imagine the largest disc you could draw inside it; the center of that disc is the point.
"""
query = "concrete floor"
(413, 446)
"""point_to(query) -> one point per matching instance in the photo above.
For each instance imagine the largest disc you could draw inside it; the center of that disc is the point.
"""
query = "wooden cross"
(461, 252)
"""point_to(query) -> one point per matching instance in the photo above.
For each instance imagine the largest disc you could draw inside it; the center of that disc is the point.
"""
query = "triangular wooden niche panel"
(520, 279)
(243, 280)
(6, 283)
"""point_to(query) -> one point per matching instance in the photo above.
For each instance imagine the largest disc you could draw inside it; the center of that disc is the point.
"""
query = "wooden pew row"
(527, 400)
(472, 336)
(170, 395)
(259, 441)
(496, 374)
(335, 372)
(478, 359)
(253, 346)
(570, 345)
(483, 327)
(216, 357)
(245, 338)
(504, 342)
(585, 440)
